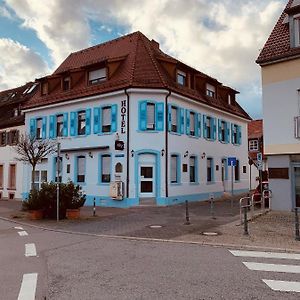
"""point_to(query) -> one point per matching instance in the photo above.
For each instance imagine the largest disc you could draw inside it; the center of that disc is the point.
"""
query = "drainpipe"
(166, 144)
(127, 154)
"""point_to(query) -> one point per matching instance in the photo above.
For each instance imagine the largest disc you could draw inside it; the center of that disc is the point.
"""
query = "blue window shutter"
(73, 123)
(32, 127)
(65, 126)
(187, 116)
(159, 112)
(88, 121)
(214, 128)
(142, 115)
(181, 121)
(198, 125)
(227, 132)
(220, 130)
(232, 129)
(239, 135)
(52, 119)
(114, 111)
(96, 120)
(169, 117)
(204, 127)
(44, 128)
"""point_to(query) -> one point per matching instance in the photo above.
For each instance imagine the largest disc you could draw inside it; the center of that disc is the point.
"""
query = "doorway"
(297, 186)
(147, 181)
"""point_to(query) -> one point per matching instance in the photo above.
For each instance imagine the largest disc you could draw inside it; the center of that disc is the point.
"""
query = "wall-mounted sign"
(123, 116)
(119, 145)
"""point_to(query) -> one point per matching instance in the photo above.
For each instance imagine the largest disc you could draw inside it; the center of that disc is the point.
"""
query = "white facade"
(147, 152)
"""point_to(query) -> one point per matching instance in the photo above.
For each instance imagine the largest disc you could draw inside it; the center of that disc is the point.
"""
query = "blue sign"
(259, 156)
(231, 161)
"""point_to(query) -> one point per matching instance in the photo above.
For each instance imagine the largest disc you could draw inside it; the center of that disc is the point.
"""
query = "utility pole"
(57, 181)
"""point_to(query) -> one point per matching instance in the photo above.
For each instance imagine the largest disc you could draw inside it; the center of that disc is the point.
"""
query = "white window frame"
(192, 123)
(97, 76)
(39, 129)
(181, 75)
(253, 145)
(174, 122)
(210, 90)
(174, 168)
(106, 119)
(150, 125)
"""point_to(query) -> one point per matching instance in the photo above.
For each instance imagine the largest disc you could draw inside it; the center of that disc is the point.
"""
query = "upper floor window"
(81, 121)
(229, 99)
(174, 119)
(253, 145)
(192, 123)
(208, 127)
(210, 90)
(14, 137)
(3, 138)
(150, 116)
(181, 78)
(106, 119)
(59, 125)
(44, 88)
(223, 131)
(39, 128)
(66, 83)
(236, 134)
(297, 31)
(97, 76)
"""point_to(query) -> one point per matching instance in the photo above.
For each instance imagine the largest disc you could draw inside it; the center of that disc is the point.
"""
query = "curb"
(209, 244)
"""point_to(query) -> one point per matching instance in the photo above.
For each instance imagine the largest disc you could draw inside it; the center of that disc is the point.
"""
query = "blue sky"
(219, 38)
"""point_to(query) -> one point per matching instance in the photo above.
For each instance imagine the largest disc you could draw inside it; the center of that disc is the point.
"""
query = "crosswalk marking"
(272, 267)
(22, 233)
(19, 228)
(30, 250)
(283, 286)
(276, 255)
(28, 287)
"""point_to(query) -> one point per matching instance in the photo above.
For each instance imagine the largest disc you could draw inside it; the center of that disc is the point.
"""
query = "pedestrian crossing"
(275, 285)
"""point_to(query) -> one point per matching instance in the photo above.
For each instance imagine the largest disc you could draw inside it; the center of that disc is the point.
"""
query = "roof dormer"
(96, 76)
(292, 19)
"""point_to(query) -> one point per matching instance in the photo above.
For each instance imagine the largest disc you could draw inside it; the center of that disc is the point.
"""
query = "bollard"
(297, 235)
(187, 216)
(212, 208)
(246, 232)
(94, 208)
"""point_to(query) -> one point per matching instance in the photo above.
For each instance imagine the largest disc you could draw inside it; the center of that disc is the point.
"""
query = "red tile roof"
(140, 67)
(278, 44)
(255, 129)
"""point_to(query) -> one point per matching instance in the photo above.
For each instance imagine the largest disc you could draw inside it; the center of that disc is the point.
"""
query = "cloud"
(20, 66)
(4, 12)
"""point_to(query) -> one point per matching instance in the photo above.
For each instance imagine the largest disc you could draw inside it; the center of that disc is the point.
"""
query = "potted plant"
(33, 205)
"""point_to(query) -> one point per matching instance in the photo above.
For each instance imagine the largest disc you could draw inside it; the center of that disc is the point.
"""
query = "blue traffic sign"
(231, 161)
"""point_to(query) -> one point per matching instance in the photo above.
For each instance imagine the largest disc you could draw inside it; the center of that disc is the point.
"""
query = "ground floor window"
(1, 176)
(40, 177)
(192, 169)
(174, 168)
(237, 171)
(80, 176)
(209, 169)
(105, 168)
(12, 176)
(58, 167)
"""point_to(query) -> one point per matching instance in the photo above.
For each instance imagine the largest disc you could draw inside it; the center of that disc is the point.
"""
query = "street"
(70, 266)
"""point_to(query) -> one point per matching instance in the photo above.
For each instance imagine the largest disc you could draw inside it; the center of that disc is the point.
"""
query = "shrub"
(33, 202)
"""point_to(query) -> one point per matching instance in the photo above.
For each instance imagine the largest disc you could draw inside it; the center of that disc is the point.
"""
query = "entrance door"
(147, 184)
(223, 170)
(297, 185)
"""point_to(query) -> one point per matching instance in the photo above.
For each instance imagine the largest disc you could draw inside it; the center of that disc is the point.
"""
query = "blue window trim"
(219, 131)
(65, 130)
(213, 128)
(196, 170)
(212, 171)
(238, 141)
(100, 132)
(197, 121)
(179, 130)
(33, 126)
(100, 168)
(76, 169)
(76, 122)
(178, 158)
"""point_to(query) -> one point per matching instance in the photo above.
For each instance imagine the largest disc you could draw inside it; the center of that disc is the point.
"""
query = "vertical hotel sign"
(123, 116)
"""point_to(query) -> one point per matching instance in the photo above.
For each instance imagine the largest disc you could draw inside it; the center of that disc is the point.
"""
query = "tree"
(31, 150)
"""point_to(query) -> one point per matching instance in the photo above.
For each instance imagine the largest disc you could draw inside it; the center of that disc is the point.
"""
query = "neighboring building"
(280, 65)
(173, 126)
(12, 125)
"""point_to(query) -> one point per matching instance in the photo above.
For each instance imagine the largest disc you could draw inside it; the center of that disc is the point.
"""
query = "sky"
(221, 38)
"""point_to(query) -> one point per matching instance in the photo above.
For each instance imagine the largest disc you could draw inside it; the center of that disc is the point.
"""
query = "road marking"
(283, 286)
(28, 287)
(30, 250)
(265, 254)
(272, 267)
(22, 233)
(19, 228)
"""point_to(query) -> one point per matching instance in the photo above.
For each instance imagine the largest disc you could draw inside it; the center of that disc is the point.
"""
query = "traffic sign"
(231, 161)
(259, 156)
(259, 165)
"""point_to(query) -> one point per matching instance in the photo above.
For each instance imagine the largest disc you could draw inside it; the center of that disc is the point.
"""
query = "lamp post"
(57, 181)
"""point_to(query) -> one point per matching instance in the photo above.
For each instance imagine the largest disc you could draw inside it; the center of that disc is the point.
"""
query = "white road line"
(283, 286)
(265, 254)
(22, 233)
(19, 228)
(28, 287)
(272, 267)
(30, 250)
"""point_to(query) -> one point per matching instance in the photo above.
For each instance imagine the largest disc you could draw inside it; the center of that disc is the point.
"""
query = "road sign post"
(259, 165)
(231, 162)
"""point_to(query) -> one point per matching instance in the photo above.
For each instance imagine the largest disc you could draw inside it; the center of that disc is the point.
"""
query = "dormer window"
(229, 99)
(44, 88)
(297, 31)
(210, 90)
(66, 83)
(181, 78)
(97, 76)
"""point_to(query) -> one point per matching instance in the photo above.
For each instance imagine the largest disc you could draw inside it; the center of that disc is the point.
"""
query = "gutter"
(127, 149)
(166, 143)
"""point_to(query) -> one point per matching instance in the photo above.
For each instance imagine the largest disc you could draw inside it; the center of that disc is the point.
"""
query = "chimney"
(155, 44)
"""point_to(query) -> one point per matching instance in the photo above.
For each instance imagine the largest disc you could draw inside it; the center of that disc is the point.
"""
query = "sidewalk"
(274, 230)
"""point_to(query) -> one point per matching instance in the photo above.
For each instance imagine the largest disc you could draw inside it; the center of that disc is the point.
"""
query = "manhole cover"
(210, 233)
(155, 226)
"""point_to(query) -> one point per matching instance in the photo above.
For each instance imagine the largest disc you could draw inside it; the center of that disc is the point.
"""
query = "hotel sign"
(123, 116)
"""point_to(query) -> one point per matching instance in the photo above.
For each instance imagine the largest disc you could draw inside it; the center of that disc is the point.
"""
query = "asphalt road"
(70, 266)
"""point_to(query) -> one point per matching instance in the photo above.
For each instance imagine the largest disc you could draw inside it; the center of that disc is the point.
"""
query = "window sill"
(210, 139)
(194, 183)
(210, 182)
(223, 142)
(11, 189)
(175, 133)
(80, 183)
(149, 131)
(175, 183)
(104, 183)
(104, 133)
(193, 136)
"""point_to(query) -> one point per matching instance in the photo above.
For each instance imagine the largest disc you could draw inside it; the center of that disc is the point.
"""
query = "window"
(66, 83)
(237, 171)
(223, 131)
(208, 127)
(80, 169)
(60, 167)
(59, 125)
(106, 119)
(16, 112)
(234, 134)
(12, 177)
(97, 76)
(181, 78)
(105, 168)
(253, 145)
(39, 178)
(192, 123)
(1, 176)
(224, 169)
(150, 116)
(174, 119)
(297, 31)
(13, 137)
(39, 125)
(175, 168)
(210, 91)
(210, 167)
(81, 122)
(3, 138)
(44, 88)
(192, 169)
(229, 99)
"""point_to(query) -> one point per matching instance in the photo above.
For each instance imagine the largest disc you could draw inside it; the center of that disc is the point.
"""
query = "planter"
(36, 214)
(73, 214)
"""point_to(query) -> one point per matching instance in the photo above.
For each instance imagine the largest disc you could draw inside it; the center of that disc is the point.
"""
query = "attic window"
(97, 76)
(229, 99)
(44, 88)
(181, 78)
(210, 90)
(66, 83)
(30, 89)
(297, 31)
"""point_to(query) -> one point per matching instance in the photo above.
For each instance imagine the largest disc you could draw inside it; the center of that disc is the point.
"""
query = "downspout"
(127, 149)
(166, 144)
